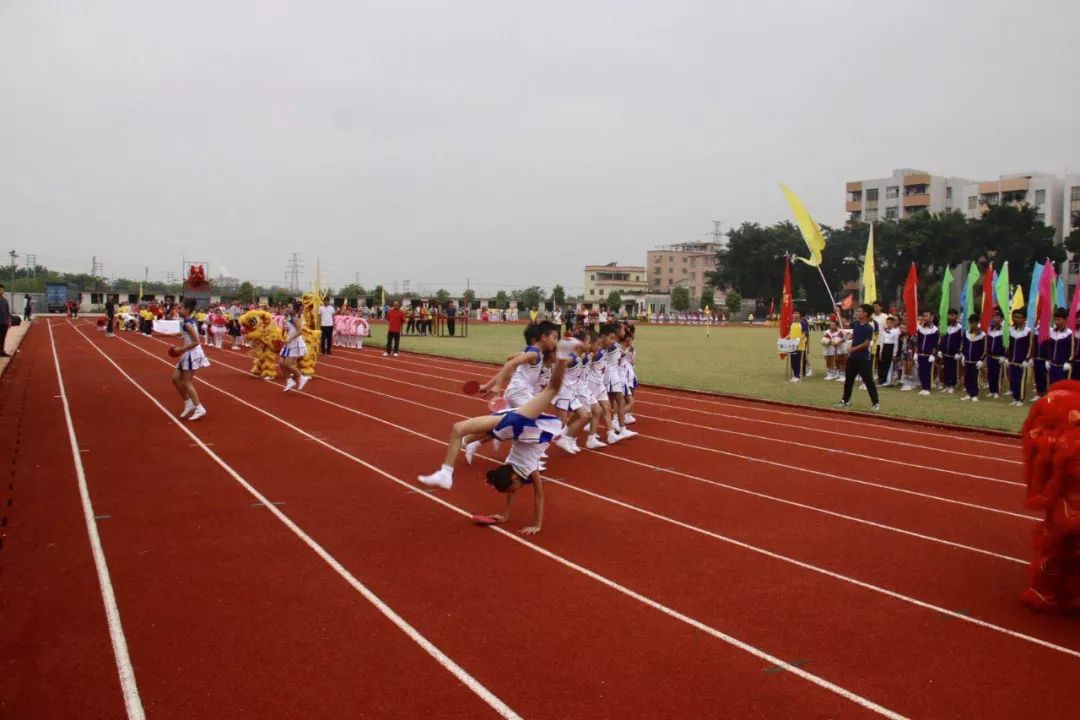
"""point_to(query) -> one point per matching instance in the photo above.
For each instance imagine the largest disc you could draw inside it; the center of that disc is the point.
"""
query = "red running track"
(689, 572)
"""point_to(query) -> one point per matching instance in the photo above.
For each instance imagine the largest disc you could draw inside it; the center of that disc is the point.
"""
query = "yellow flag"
(869, 278)
(1018, 299)
(810, 231)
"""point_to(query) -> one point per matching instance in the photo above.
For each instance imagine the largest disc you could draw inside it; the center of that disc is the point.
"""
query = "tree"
(501, 300)
(558, 295)
(1072, 241)
(353, 292)
(733, 301)
(680, 298)
(468, 297)
(246, 292)
(442, 295)
(707, 299)
(530, 297)
(614, 301)
(376, 297)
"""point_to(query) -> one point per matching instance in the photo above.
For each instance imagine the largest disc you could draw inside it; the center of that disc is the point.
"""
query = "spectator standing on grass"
(395, 318)
(451, 317)
(326, 326)
(859, 361)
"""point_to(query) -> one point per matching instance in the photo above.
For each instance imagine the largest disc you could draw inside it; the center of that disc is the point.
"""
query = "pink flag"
(1046, 301)
(1074, 307)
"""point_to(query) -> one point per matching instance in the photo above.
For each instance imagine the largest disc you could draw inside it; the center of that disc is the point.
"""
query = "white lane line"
(128, 685)
(634, 508)
(671, 471)
(787, 426)
(607, 582)
(413, 634)
(740, 456)
(750, 406)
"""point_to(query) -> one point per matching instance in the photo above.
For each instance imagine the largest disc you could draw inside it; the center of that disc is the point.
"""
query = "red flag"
(988, 298)
(911, 300)
(847, 303)
(772, 306)
(1046, 301)
(787, 304)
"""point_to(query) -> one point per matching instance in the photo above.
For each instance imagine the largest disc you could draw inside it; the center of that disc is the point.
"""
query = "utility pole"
(14, 256)
(292, 272)
(31, 265)
(716, 230)
(406, 287)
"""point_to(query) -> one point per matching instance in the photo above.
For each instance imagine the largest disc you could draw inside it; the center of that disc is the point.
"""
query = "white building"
(1041, 191)
(903, 193)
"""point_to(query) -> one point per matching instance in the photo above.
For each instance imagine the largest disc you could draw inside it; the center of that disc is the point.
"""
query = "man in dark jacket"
(5, 321)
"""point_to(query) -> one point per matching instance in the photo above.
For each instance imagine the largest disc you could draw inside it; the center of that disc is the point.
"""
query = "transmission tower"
(292, 272)
(31, 265)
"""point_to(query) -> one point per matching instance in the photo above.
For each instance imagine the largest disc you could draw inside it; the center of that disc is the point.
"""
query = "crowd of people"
(960, 358)
(588, 376)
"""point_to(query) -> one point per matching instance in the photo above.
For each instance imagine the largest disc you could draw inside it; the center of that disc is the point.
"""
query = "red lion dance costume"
(1051, 441)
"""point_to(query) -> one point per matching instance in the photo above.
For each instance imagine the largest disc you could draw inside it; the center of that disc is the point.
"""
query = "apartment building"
(1070, 220)
(1042, 191)
(904, 192)
(600, 280)
(682, 264)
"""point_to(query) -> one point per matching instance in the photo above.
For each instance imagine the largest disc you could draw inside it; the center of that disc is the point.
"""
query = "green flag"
(969, 293)
(946, 290)
(1001, 297)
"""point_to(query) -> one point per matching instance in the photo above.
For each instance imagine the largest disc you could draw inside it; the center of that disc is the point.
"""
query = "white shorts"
(516, 398)
(570, 404)
(585, 395)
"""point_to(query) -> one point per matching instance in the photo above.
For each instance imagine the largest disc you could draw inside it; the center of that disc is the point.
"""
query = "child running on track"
(629, 358)
(572, 412)
(294, 349)
(616, 382)
(192, 358)
(530, 429)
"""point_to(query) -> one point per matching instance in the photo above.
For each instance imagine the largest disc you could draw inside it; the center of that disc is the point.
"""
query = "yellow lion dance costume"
(309, 313)
(266, 340)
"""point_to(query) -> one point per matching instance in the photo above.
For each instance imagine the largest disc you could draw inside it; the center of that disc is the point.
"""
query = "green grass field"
(732, 360)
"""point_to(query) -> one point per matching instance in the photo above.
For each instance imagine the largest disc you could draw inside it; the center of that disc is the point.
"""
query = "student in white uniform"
(888, 350)
(294, 349)
(616, 382)
(572, 411)
(192, 358)
(529, 429)
(525, 369)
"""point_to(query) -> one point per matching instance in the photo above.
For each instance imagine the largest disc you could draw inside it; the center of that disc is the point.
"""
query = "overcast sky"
(508, 142)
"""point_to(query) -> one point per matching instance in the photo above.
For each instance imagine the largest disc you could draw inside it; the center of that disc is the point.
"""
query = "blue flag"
(1033, 293)
(1059, 293)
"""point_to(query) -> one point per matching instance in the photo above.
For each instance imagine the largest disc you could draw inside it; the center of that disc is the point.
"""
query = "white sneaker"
(1034, 398)
(627, 434)
(794, 380)
(924, 392)
(386, 354)
(905, 388)
(470, 450)
(950, 390)
(974, 399)
(613, 438)
(809, 372)
(188, 407)
(289, 384)
(395, 354)
(441, 478)
(197, 413)
(875, 408)
(567, 444)
(594, 443)
(966, 397)
(630, 419)
(304, 379)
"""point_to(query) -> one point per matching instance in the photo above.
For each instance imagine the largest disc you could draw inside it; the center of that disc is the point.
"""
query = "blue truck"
(57, 296)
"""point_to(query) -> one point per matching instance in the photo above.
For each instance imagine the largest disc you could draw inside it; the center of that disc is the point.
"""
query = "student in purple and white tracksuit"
(995, 353)
(1021, 347)
(1059, 349)
(949, 352)
(973, 349)
(928, 339)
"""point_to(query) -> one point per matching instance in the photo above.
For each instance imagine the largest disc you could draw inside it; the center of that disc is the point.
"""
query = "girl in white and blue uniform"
(573, 413)
(616, 383)
(590, 388)
(192, 358)
(525, 369)
(294, 349)
(530, 431)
